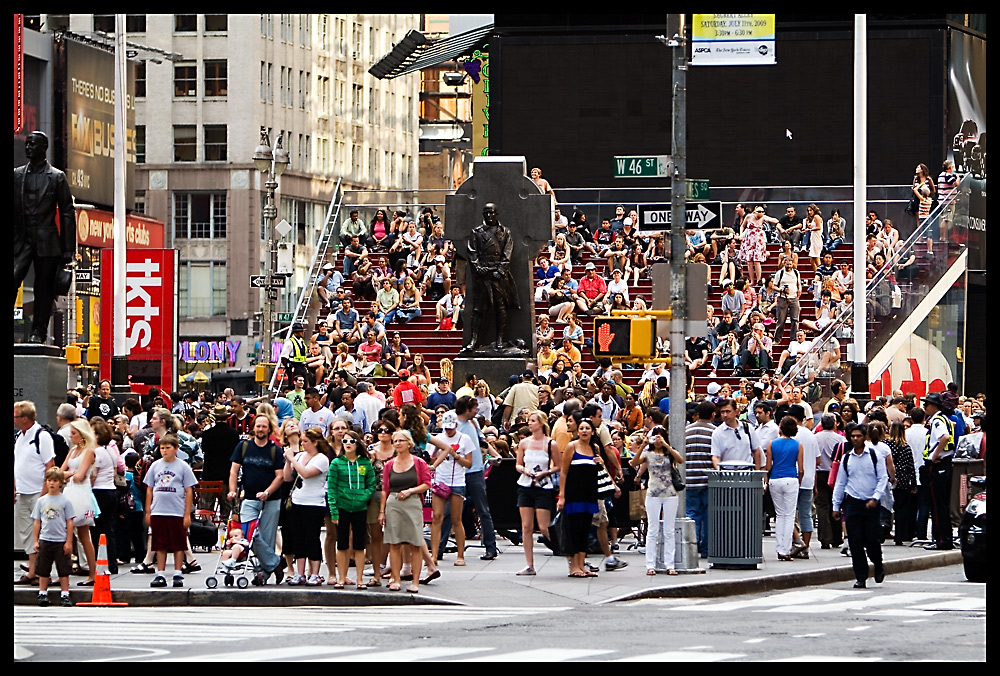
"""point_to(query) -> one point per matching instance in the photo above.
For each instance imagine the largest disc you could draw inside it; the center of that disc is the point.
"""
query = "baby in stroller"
(236, 546)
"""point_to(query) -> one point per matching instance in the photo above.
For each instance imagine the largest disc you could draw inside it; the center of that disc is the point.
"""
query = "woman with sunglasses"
(754, 247)
(338, 430)
(449, 482)
(350, 486)
(308, 503)
(405, 479)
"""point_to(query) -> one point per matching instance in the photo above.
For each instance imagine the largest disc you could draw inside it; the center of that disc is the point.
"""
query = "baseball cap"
(450, 420)
(443, 379)
(328, 266)
(527, 374)
(713, 388)
(403, 373)
(439, 259)
(590, 266)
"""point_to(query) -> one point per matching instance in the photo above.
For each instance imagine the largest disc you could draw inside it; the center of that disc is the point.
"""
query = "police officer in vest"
(938, 451)
(294, 353)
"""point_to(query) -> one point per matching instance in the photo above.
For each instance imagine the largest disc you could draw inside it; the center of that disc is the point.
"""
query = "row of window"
(183, 23)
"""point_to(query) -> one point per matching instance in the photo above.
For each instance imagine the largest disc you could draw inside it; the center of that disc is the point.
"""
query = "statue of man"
(490, 249)
(39, 190)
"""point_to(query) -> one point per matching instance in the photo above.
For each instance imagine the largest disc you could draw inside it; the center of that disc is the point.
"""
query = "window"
(307, 166)
(104, 23)
(135, 23)
(185, 80)
(270, 88)
(356, 37)
(140, 79)
(341, 98)
(324, 95)
(281, 85)
(373, 166)
(216, 80)
(263, 81)
(372, 106)
(358, 99)
(356, 160)
(216, 23)
(323, 31)
(215, 143)
(185, 23)
(341, 27)
(303, 30)
(304, 77)
(140, 143)
(202, 288)
(200, 215)
(185, 143)
(139, 205)
(372, 37)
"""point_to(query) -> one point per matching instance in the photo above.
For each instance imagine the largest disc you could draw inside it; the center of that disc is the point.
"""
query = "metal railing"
(948, 223)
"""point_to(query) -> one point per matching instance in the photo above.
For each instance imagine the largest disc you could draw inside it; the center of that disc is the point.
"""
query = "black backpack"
(59, 444)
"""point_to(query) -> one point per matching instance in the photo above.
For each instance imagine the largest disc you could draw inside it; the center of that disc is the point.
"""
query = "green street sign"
(285, 316)
(642, 166)
(697, 189)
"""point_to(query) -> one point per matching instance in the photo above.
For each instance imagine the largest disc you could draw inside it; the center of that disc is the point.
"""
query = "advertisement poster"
(732, 40)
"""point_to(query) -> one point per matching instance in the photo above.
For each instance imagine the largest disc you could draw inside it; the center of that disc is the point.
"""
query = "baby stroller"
(242, 570)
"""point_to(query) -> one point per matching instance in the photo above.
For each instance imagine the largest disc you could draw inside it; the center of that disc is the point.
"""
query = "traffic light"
(624, 337)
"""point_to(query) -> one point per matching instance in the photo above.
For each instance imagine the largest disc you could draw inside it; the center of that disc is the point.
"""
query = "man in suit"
(39, 191)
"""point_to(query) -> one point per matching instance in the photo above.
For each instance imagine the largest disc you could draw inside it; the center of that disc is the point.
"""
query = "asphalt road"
(925, 615)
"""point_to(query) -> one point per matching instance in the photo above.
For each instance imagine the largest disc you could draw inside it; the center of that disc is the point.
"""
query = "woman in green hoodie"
(350, 485)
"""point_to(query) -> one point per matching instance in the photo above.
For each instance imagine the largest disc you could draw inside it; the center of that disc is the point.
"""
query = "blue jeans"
(475, 489)
(404, 315)
(805, 509)
(697, 510)
(267, 530)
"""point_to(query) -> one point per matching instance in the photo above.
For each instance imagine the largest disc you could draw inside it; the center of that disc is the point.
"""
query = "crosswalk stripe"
(682, 656)
(826, 658)
(543, 655)
(862, 602)
(412, 654)
(273, 654)
(796, 598)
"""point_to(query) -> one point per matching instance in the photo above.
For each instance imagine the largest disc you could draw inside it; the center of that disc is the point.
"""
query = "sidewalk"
(494, 583)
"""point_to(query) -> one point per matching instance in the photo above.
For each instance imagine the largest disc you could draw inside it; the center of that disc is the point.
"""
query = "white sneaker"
(313, 581)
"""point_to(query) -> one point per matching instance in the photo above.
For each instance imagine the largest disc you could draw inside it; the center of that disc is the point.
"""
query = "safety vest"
(949, 425)
(298, 350)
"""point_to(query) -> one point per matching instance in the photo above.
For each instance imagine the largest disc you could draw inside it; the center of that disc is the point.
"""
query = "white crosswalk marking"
(275, 654)
(682, 656)
(543, 654)
(410, 655)
(826, 658)
(862, 602)
(794, 598)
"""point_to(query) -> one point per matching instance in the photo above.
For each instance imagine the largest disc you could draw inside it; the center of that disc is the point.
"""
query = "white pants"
(785, 495)
(655, 544)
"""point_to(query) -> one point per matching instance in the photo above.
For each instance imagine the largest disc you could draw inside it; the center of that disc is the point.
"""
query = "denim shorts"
(805, 510)
(458, 490)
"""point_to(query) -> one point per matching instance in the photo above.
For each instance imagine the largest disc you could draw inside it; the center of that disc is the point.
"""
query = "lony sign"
(150, 316)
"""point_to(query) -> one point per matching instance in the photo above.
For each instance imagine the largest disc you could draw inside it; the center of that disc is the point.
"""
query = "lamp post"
(271, 164)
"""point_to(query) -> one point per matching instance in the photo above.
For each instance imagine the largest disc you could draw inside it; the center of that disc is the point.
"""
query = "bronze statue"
(490, 248)
(39, 191)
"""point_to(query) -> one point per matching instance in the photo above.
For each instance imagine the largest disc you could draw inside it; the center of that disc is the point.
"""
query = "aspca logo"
(762, 50)
(702, 50)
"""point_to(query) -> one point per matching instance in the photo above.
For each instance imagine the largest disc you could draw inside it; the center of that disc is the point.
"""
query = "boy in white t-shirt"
(53, 536)
(169, 496)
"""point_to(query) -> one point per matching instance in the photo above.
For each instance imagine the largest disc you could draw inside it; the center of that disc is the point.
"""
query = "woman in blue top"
(784, 467)
(578, 491)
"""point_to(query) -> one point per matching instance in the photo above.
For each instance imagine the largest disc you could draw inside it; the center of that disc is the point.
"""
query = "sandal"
(413, 589)
(362, 585)
(578, 574)
(526, 571)
(338, 585)
(589, 574)
(459, 562)
(331, 582)
(431, 577)
(375, 582)
(85, 583)
(394, 586)
(671, 572)
(142, 568)
(651, 572)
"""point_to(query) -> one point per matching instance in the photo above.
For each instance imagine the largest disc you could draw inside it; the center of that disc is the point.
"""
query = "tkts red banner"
(150, 316)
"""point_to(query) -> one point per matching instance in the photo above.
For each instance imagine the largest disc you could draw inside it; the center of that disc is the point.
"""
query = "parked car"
(972, 532)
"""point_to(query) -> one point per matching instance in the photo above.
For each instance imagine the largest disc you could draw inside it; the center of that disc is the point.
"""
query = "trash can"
(735, 513)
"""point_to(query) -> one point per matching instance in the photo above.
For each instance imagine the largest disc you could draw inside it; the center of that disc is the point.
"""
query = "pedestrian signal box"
(624, 337)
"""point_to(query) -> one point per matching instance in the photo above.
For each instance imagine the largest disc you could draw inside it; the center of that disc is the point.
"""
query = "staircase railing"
(329, 233)
(889, 301)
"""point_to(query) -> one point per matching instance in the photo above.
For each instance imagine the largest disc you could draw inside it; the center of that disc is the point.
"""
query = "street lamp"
(271, 164)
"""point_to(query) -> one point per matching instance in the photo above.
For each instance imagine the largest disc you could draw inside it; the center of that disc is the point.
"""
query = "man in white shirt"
(368, 403)
(733, 441)
(830, 532)
(65, 414)
(33, 455)
(810, 461)
(606, 401)
(767, 429)
(916, 439)
(356, 413)
(315, 415)
(796, 348)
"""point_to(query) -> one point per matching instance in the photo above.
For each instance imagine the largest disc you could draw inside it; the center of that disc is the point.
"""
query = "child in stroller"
(237, 563)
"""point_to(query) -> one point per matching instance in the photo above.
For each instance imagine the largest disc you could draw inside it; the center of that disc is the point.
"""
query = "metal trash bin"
(735, 513)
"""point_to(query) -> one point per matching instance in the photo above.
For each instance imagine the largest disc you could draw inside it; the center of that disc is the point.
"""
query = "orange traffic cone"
(102, 582)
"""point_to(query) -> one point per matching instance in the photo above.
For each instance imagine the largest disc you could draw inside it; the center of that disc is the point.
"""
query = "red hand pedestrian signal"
(604, 337)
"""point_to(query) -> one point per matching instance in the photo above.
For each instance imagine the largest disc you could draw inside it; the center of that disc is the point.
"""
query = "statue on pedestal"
(40, 193)
(490, 247)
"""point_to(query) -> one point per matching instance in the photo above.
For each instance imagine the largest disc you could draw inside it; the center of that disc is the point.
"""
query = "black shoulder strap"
(38, 449)
(871, 452)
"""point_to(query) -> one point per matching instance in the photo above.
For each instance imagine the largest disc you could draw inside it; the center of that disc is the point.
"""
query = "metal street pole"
(859, 365)
(686, 545)
(119, 359)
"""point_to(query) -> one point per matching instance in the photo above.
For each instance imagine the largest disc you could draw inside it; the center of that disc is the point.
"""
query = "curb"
(786, 580)
(249, 598)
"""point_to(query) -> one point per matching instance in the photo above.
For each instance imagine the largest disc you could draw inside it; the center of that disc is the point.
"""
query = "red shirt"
(592, 288)
(406, 393)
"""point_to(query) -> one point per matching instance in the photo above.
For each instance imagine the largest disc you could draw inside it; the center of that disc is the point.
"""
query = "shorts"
(374, 507)
(169, 534)
(24, 525)
(805, 510)
(349, 523)
(49, 553)
(534, 497)
(601, 517)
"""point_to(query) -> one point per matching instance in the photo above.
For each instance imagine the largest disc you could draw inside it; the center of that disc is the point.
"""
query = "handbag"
(441, 489)
(835, 465)
(637, 504)
(675, 475)
(605, 487)
(558, 535)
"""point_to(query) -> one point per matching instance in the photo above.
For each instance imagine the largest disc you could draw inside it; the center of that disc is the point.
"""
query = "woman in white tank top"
(536, 461)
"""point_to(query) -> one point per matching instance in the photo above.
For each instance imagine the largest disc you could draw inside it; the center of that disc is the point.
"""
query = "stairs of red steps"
(421, 337)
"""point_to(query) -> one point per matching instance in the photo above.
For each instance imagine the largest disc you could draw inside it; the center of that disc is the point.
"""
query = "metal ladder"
(328, 237)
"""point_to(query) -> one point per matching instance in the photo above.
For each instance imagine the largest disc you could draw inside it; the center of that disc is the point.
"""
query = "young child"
(169, 497)
(53, 515)
(236, 544)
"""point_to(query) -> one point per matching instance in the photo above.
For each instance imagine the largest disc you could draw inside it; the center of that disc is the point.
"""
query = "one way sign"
(700, 215)
(259, 281)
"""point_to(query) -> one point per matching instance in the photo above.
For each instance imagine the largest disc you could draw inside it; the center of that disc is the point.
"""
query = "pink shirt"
(423, 473)
(371, 352)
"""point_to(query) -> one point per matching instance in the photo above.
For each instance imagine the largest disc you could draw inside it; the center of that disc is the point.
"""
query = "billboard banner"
(90, 114)
(150, 316)
(95, 227)
(732, 40)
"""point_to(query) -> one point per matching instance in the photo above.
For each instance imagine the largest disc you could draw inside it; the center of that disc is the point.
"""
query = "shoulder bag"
(675, 474)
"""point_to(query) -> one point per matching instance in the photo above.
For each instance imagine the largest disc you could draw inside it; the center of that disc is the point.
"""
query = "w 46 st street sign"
(642, 166)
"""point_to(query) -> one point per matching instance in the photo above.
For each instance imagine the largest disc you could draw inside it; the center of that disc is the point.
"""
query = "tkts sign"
(150, 316)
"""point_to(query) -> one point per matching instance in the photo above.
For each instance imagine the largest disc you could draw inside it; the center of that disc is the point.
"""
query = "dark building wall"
(570, 100)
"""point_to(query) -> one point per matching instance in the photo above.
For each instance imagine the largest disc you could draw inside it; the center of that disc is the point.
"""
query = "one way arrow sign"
(260, 281)
(700, 215)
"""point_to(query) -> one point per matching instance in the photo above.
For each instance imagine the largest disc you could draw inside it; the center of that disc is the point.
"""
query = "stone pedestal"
(494, 370)
(40, 376)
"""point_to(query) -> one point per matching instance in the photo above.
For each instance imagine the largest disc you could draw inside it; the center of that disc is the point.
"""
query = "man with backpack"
(33, 456)
(859, 488)
(938, 452)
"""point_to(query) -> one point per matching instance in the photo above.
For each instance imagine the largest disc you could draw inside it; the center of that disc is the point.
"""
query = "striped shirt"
(698, 448)
(946, 182)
